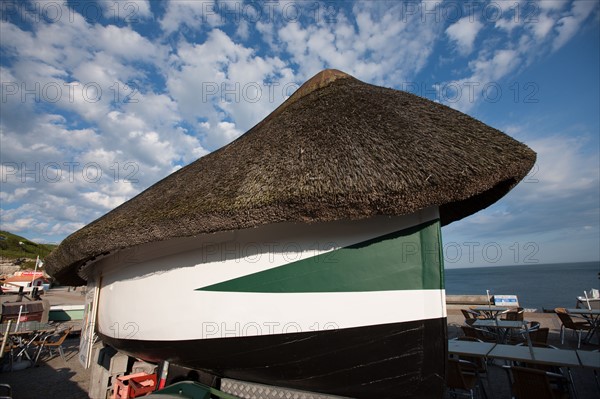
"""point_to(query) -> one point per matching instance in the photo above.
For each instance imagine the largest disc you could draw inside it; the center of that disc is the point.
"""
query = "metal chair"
(568, 322)
(459, 379)
(49, 343)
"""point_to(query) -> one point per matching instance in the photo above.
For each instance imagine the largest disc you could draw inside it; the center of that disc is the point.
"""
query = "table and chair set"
(23, 343)
(534, 368)
(485, 323)
(579, 320)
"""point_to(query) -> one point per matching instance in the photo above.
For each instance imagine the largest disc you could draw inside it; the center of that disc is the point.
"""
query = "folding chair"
(53, 342)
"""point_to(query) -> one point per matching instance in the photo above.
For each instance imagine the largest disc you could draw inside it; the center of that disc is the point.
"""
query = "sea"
(537, 286)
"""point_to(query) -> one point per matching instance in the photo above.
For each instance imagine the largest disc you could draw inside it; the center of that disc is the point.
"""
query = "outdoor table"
(489, 311)
(504, 327)
(590, 359)
(548, 356)
(469, 348)
(592, 317)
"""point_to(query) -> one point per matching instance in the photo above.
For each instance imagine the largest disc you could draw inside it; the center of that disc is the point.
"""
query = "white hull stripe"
(226, 314)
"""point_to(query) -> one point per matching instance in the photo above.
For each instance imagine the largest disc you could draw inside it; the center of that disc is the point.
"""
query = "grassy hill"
(10, 248)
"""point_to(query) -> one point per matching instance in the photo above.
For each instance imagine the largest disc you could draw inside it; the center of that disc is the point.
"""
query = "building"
(306, 253)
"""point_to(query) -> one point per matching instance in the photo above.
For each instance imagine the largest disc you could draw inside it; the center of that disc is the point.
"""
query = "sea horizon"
(537, 286)
(446, 267)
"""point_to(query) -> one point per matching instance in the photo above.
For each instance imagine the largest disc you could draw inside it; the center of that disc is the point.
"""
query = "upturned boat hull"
(350, 308)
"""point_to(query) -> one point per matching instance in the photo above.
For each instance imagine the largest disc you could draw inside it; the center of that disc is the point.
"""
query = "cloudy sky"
(99, 100)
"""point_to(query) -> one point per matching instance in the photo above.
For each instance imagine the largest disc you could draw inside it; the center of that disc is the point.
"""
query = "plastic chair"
(458, 379)
(568, 322)
(50, 344)
(530, 383)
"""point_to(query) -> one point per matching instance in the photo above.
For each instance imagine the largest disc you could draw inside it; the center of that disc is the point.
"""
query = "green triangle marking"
(406, 260)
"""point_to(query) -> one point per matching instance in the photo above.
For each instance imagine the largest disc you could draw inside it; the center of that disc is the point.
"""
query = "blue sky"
(99, 100)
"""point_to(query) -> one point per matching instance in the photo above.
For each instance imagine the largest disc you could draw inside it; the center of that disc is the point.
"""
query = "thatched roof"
(337, 149)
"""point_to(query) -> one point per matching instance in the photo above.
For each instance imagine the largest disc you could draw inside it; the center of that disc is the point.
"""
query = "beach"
(55, 378)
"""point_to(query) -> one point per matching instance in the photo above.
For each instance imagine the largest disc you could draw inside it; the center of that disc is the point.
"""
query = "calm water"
(537, 286)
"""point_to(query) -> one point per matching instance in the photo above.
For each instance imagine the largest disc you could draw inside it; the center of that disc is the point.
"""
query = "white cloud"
(486, 70)
(125, 43)
(570, 24)
(563, 169)
(243, 30)
(463, 33)
(130, 11)
(543, 26)
(107, 202)
(496, 67)
(559, 193)
(370, 43)
(18, 193)
(191, 14)
(225, 84)
(524, 32)
(81, 172)
(551, 4)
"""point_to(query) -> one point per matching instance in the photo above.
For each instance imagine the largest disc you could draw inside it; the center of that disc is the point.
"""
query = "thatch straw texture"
(337, 149)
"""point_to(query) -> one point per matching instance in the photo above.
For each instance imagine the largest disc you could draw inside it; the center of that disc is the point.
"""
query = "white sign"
(506, 300)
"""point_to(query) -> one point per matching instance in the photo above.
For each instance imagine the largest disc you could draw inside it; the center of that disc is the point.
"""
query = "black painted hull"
(402, 360)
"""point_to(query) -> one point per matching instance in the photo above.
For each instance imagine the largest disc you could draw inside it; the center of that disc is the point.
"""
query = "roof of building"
(338, 148)
(18, 279)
